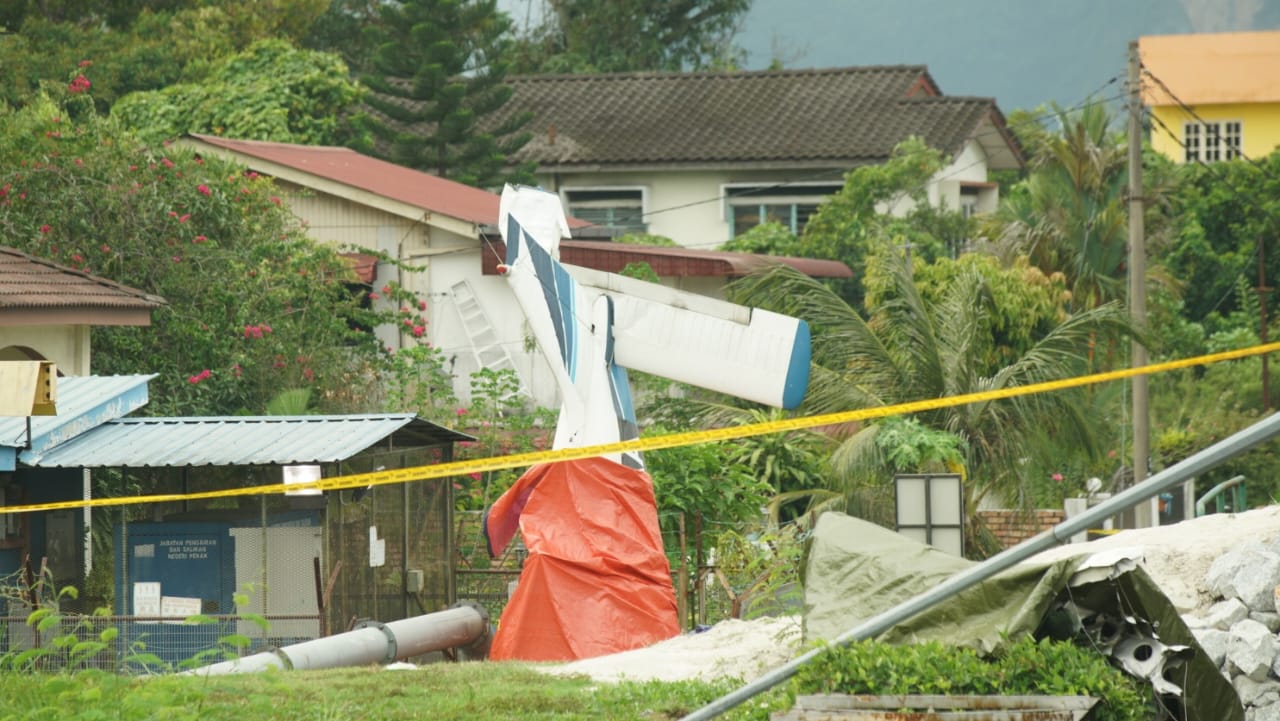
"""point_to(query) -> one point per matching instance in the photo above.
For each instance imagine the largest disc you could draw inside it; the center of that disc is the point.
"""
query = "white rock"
(1270, 620)
(1270, 712)
(1250, 574)
(1251, 691)
(1225, 614)
(1252, 648)
(1214, 641)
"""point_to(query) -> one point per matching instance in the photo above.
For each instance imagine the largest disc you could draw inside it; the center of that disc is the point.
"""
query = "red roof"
(669, 262)
(449, 198)
(344, 165)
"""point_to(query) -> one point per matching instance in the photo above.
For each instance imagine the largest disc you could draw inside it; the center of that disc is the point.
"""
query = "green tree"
(850, 225)
(254, 306)
(139, 45)
(595, 36)
(910, 348)
(271, 91)
(1223, 211)
(1069, 215)
(438, 69)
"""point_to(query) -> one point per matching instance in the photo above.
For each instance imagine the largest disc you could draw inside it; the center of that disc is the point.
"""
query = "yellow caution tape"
(520, 460)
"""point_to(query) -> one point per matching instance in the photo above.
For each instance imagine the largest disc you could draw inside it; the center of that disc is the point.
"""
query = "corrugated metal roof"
(422, 190)
(239, 440)
(78, 398)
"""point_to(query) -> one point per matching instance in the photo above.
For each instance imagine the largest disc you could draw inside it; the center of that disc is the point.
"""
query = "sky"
(1024, 53)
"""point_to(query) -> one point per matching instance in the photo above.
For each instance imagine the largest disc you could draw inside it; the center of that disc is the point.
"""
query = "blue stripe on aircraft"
(797, 381)
(558, 294)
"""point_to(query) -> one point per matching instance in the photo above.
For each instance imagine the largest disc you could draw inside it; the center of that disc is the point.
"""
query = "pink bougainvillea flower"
(45, 228)
(265, 328)
(408, 322)
(1057, 477)
(199, 239)
(77, 258)
(461, 412)
(204, 189)
(474, 476)
(184, 218)
(201, 376)
(177, 259)
(386, 289)
(275, 199)
(86, 63)
(374, 296)
(166, 162)
(422, 305)
(79, 84)
(309, 374)
(418, 331)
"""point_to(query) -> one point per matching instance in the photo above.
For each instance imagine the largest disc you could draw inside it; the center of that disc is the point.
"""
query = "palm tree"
(1070, 214)
(910, 349)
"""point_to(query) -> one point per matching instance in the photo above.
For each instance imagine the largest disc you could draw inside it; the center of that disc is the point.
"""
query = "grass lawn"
(439, 692)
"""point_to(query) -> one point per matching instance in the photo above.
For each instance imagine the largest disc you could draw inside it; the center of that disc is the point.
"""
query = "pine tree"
(437, 69)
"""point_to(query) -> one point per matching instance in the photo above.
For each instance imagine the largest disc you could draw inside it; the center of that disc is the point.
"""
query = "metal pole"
(1172, 476)
(1148, 514)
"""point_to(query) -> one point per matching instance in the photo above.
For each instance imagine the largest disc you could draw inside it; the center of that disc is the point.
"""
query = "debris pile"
(1239, 630)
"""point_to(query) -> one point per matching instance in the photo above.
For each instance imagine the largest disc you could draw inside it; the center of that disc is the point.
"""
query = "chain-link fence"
(257, 571)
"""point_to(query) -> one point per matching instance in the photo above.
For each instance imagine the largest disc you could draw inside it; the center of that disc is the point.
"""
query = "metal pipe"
(1178, 473)
(463, 626)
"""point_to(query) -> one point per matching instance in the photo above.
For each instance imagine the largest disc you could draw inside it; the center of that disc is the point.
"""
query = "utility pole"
(1146, 514)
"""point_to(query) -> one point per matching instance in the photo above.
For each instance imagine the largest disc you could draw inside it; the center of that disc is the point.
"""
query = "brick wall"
(1011, 527)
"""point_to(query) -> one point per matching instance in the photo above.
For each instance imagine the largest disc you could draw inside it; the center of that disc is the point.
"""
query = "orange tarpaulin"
(596, 580)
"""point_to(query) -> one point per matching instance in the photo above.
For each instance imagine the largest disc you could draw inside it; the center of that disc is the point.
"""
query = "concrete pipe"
(464, 626)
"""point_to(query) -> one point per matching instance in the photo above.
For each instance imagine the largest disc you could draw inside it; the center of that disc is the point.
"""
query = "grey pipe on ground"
(465, 626)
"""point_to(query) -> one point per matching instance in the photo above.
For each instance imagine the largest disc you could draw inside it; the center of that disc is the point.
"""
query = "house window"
(791, 205)
(620, 209)
(1211, 142)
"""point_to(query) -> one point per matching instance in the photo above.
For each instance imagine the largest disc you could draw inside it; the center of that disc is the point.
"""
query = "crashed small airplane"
(596, 580)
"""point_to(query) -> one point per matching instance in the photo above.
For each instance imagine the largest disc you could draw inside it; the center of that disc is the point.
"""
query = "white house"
(446, 231)
(702, 157)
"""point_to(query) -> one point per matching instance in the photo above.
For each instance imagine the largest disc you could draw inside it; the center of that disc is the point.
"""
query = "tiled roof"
(838, 116)
(361, 172)
(28, 283)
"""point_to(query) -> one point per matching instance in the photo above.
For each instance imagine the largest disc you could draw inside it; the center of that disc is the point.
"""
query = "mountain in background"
(1024, 53)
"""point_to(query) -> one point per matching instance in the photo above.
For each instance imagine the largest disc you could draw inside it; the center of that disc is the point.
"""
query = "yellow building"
(1213, 96)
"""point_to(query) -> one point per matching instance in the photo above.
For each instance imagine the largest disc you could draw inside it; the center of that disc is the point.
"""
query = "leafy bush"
(1026, 667)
